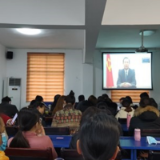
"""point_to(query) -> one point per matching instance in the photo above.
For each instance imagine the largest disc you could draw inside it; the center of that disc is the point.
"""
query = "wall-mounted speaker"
(9, 55)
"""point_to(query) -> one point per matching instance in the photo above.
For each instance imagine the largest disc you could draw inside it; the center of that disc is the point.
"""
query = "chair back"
(122, 120)
(150, 132)
(29, 154)
(11, 131)
(70, 154)
(154, 155)
(57, 130)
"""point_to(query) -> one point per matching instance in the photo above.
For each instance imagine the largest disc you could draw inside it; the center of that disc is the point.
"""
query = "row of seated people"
(70, 116)
(94, 125)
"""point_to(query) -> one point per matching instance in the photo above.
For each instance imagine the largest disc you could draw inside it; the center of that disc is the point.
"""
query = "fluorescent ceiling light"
(28, 31)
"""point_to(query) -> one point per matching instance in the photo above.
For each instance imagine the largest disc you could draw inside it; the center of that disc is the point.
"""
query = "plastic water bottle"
(137, 134)
(128, 120)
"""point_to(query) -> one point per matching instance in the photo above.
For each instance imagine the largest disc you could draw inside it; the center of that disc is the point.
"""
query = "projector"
(142, 49)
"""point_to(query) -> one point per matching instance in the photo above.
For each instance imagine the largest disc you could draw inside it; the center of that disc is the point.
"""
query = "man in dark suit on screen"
(126, 76)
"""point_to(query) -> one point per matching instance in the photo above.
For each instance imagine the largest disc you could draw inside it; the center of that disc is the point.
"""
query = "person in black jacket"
(7, 108)
(147, 116)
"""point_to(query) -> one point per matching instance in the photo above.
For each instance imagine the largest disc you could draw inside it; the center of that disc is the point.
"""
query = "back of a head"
(92, 99)
(144, 95)
(130, 99)
(145, 102)
(99, 136)
(70, 99)
(6, 99)
(104, 106)
(36, 104)
(27, 119)
(56, 97)
(126, 103)
(81, 98)
(39, 98)
(153, 103)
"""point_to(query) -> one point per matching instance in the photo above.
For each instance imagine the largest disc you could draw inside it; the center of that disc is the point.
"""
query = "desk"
(131, 144)
(60, 141)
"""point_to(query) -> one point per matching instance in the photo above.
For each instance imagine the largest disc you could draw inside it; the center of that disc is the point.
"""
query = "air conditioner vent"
(14, 81)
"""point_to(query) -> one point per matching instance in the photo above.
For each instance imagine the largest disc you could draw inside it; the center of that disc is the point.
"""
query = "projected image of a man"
(126, 76)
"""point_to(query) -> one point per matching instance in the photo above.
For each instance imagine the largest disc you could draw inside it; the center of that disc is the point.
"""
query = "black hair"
(27, 119)
(144, 95)
(92, 99)
(144, 102)
(39, 98)
(103, 106)
(130, 99)
(36, 104)
(81, 98)
(6, 99)
(126, 58)
(153, 103)
(99, 136)
(70, 99)
(126, 103)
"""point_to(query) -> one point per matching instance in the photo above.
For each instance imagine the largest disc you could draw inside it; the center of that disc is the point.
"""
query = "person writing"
(126, 76)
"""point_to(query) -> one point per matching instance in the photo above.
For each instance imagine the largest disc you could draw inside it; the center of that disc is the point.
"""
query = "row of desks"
(125, 143)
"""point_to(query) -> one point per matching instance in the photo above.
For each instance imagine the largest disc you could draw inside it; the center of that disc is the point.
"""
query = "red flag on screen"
(109, 72)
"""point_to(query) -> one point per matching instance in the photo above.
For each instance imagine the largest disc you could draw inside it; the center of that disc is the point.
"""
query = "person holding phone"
(28, 135)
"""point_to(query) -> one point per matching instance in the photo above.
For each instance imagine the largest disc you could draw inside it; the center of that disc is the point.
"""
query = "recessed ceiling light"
(147, 32)
(28, 31)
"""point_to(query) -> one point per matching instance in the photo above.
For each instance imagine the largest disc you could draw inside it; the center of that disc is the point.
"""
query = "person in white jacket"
(125, 109)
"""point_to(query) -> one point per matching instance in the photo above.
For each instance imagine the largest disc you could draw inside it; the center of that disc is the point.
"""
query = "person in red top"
(5, 118)
(28, 135)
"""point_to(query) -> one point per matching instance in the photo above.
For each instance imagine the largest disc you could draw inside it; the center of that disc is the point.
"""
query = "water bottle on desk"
(128, 120)
(137, 134)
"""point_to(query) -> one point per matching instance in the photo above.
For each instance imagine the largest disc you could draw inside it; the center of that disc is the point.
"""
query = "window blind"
(134, 94)
(45, 75)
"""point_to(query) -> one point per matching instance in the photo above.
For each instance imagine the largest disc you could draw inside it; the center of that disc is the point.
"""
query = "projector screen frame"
(151, 53)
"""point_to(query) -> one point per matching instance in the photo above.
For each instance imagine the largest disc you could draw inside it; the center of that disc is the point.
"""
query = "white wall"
(155, 93)
(2, 68)
(74, 69)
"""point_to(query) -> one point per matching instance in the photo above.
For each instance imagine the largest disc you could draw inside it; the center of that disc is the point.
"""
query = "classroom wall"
(75, 71)
(2, 68)
(155, 93)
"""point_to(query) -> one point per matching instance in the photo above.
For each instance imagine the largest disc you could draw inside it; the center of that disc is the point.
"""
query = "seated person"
(126, 76)
(68, 116)
(99, 137)
(146, 117)
(29, 135)
(3, 136)
(7, 108)
(87, 114)
(125, 109)
(40, 108)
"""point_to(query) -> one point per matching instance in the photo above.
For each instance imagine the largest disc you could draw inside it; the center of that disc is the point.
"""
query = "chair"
(122, 120)
(153, 155)
(29, 154)
(11, 131)
(70, 154)
(57, 130)
(150, 132)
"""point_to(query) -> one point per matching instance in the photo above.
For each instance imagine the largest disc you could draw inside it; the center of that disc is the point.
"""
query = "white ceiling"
(48, 39)
(82, 28)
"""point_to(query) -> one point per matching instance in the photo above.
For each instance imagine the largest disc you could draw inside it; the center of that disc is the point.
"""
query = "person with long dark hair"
(98, 137)
(27, 136)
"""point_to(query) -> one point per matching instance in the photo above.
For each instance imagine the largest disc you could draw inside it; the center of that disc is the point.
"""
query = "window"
(134, 94)
(45, 75)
